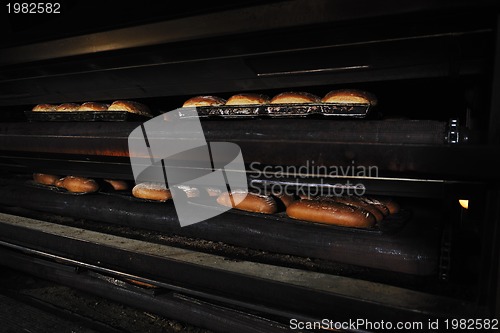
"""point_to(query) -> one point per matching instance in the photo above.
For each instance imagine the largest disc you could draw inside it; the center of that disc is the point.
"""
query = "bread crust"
(67, 107)
(93, 106)
(359, 203)
(45, 179)
(44, 108)
(249, 202)
(118, 185)
(151, 191)
(204, 101)
(330, 212)
(296, 97)
(248, 99)
(130, 106)
(79, 184)
(349, 96)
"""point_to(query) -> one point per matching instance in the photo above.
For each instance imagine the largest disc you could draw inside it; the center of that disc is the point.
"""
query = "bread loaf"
(152, 191)
(92, 106)
(294, 98)
(204, 101)
(250, 202)
(349, 96)
(79, 184)
(130, 106)
(44, 108)
(330, 212)
(67, 107)
(247, 99)
(45, 179)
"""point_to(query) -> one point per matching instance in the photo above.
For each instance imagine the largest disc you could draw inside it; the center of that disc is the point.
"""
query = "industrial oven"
(431, 144)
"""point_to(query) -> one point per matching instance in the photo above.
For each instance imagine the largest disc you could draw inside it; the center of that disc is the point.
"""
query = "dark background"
(82, 17)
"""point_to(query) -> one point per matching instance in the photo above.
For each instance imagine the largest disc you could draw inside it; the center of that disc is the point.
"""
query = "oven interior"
(432, 141)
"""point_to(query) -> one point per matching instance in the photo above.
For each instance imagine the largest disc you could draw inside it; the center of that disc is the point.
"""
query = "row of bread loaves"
(128, 106)
(341, 96)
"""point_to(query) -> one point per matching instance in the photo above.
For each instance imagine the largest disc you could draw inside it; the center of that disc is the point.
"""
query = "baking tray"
(282, 111)
(34, 116)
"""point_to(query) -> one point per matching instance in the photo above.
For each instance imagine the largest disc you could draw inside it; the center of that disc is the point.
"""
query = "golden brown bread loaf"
(67, 107)
(349, 96)
(204, 101)
(330, 212)
(44, 108)
(45, 179)
(294, 98)
(151, 191)
(79, 184)
(93, 106)
(130, 106)
(247, 99)
(118, 185)
(251, 202)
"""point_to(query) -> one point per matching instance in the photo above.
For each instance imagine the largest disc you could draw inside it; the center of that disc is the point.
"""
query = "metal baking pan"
(284, 111)
(34, 116)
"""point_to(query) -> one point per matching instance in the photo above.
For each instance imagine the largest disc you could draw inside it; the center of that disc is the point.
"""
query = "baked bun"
(93, 106)
(204, 101)
(118, 185)
(130, 106)
(349, 96)
(294, 98)
(247, 99)
(44, 107)
(45, 179)
(67, 107)
(79, 184)
(330, 212)
(249, 202)
(152, 191)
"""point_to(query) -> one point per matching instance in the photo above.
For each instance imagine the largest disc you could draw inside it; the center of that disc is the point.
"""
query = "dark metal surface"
(234, 21)
(308, 293)
(172, 305)
(293, 50)
(410, 248)
(397, 149)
